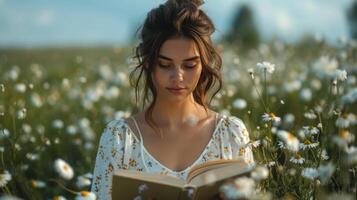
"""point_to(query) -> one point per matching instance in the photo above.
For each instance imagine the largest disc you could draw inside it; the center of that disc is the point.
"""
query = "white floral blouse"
(119, 148)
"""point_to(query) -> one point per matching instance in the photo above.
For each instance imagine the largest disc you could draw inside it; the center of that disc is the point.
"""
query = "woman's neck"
(174, 115)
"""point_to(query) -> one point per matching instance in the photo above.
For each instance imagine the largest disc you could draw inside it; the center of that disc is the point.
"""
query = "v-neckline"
(188, 167)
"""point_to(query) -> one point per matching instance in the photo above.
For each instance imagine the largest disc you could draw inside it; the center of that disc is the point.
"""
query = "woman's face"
(178, 69)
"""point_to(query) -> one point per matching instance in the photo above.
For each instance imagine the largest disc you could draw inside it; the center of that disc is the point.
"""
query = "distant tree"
(243, 30)
(352, 19)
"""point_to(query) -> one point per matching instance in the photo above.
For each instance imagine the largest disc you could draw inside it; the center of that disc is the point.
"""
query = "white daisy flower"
(351, 155)
(324, 155)
(260, 173)
(59, 198)
(297, 159)
(291, 142)
(270, 117)
(345, 120)
(251, 72)
(239, 104)
(340, 75)
(308, 145)
(310, 173)
(2, 87)
(57, 123)
(38, 184)
(63, 169)
(5, 177)
(344, 138)
(242, 187)
(20, 87)
(83, 181)
(9, 197)
(310, 115)
(85, 195)
(266, 66)
(306, 94)
(310, 130)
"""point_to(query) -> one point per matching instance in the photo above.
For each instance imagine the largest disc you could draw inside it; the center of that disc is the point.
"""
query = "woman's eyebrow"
(187, 59)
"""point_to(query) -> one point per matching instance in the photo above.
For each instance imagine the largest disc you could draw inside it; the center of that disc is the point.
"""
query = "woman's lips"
(176, 90)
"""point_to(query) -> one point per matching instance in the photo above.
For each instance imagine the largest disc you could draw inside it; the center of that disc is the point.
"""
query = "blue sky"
(88, 22)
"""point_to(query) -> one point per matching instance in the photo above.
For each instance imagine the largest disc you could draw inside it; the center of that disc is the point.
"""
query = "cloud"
(45, 17)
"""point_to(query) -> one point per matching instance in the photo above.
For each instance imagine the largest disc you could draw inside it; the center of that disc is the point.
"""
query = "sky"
(32, 23)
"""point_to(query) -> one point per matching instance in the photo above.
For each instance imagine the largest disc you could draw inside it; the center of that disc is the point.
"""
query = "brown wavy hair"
(175, 18)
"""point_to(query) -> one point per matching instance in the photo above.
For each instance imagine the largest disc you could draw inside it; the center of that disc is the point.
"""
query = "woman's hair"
(176, 18)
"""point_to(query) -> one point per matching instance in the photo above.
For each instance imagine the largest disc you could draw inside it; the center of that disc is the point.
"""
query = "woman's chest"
(182, 149)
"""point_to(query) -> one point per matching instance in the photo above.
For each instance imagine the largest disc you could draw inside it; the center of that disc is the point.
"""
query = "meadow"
(299, 103)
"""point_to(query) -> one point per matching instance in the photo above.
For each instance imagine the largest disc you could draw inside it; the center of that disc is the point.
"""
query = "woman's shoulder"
(232, 120)
(234, 126)
(115, 127)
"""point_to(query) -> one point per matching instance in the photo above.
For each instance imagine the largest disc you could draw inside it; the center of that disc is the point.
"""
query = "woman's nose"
(177, 73)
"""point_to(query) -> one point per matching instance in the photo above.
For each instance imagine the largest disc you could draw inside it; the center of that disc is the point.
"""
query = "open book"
(203, 182)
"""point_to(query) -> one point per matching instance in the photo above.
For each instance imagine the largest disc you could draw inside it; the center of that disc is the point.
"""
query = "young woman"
(177, 130)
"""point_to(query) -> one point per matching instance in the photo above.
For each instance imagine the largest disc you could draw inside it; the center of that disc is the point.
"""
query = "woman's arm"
(240, 141)
(107, 161)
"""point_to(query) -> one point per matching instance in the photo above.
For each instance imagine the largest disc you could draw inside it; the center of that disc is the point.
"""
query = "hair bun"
(197, 3)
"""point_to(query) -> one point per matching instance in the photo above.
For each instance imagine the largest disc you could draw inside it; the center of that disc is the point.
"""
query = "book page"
(217, 171)
(151, 177)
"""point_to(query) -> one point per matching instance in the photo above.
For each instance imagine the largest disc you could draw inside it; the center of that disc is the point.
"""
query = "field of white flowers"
(299, 104)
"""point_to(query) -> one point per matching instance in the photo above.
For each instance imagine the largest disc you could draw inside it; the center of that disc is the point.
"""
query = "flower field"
(299, 103)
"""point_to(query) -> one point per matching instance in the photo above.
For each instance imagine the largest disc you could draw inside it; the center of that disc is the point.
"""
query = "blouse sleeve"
(108, 160)
(240, 141)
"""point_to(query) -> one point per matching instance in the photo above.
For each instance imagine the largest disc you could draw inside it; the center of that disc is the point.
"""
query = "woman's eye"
(190, 66)
(164, 66)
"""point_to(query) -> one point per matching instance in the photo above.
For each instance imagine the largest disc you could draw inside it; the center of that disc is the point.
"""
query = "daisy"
(266, 66)
(254, 144)
(2, 88)
(310, 173)
(59, 198)
(242, 187)
(325, 172)
(324, 155)
(83, 181)
(270, 117)
(297, 159)
(57, 123)
(351, 155)
(85, 195)
(344, 138)
(291, 142)
(340, 75)
(38, 184)
(239, 104)
(306, 94)
(63, 169)
(260, 173)
(310, 130)
(5, 177)
(308, 145)
(310, 115)
(345, 120)
(251, 72)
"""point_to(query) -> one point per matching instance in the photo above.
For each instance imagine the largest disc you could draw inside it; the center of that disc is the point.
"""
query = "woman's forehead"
(180, 48)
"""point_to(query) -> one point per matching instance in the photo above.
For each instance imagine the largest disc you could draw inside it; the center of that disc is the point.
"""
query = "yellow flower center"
(344, 134)
(56, 198)
(84, 193)
(272, 115)
(307, 142)
(290, 136)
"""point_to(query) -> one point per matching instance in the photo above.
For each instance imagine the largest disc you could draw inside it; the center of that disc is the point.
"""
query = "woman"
(177, 130)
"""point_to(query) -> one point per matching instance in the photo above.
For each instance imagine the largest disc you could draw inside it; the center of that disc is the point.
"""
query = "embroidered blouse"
(119, 148)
